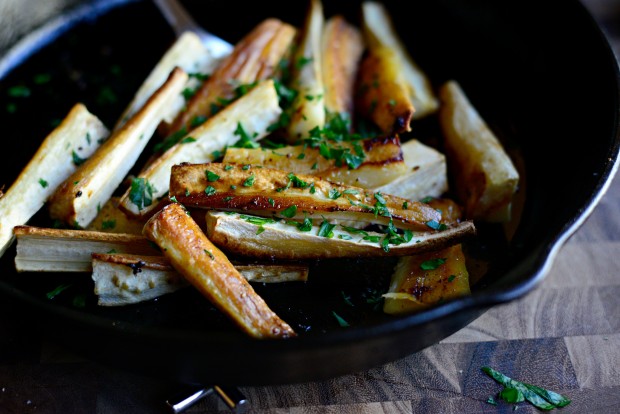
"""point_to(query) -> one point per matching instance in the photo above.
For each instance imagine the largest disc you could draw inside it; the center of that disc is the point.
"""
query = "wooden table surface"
(564, 335)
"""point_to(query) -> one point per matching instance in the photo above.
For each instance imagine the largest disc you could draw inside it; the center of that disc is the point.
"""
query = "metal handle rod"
(232, 397)
(181, 21)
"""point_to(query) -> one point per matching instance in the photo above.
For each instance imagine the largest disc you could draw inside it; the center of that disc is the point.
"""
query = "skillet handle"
(232, 397)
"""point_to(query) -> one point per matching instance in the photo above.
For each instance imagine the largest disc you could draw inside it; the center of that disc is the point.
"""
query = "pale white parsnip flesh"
(485, 176)
(254, 111)
(126, 279)
(379, 30)
(56, 250)
(308, 110)
(281, 239)
(76, 138)
(426, 174)
(187, 53)
(78, 200)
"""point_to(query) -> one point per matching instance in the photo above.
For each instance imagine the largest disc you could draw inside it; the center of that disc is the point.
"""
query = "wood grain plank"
(595, 359)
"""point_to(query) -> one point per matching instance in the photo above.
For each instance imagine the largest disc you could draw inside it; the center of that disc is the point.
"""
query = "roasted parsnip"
(56, 250)
(382, 162)
(383, 94)
(342, 49)
(315, 239)
(69, 144)
(268, 192)
(308, 108)
(427, 279)
(206, 268)
(254, 58)
(379, 32)
(187, 53)
(122, 279)
(485, 177)
(247, 118)
(426, 175)
(80, 196)
(111, 219)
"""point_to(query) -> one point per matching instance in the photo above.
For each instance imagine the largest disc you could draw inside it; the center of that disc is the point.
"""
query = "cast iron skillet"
(542, 75)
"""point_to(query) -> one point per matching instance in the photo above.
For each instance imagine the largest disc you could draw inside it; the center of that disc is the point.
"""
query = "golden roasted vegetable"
(266, 191)
(485, 177)
(122, 279)
(379, 32)
(426, 174)
(248, 118)
(111, 219)
(56, 250)
(342, 49)
(383, 95)
(254, 58)
(75, 139)
(308, 109)
(427, 279)
(80, 196)
(382, 161)
(206, 268)
(315, 239)
(187, 53)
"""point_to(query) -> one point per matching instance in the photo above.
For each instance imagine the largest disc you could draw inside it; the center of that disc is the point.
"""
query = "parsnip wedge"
(122, 279)
(269, 238)
(254, 58)
(187, 53)
(427, 279)
(379, 31)
(485, 177)
(206, 268)
(426, 175)
(342, 49)
(56, 250)
(78, 199)
(111, 219)
(266, 192)
(383, 162)
(75, 139)
(308, 108)
(383, 94)
(248, 117)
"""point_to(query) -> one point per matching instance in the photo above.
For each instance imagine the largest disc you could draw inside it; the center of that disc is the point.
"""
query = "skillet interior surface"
(546, 81)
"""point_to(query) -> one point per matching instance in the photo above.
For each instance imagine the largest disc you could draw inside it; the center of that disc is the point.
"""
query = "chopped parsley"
(245, 141)
(19, 91)
(305, 225)
(170, 141)
(539, 397)
(451, 278)
(302, 61)
(249, 182)
(211, 176)
(58, 290)
(259, 221)
(228, 167)
(334, 194)
(108, 224)
(326, 229)
(208, 253)
(329, 139)
(141, 193)
(271, 202)
(43, 183)
(341, 321)
(432, 264)
(435, 225)
(289, 212)
(77, 160)
(187, 140)
(209, 191)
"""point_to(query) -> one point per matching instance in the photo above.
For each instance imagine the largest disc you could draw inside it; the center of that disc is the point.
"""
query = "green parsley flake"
(451, 278)
(432, 264)
(228, 167)
(245, 141)
(435, 225)
(341, 321)
(141, 193)
(208, 253)
(19, 91)
(249, 182)
(108, 224)
(187, 140)
(289, 212)
(211, 176)
(326, 229)
(58, 290)
(77, 160)
(334, 194)
(271, 202)
(43, 183)
(210, 190)
(345, 237)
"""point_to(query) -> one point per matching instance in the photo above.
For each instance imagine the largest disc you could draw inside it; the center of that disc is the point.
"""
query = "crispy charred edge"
(212, 273)
(78, 234)
(163, 264)
(384, 141)
(416, 215)
(330, 248)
